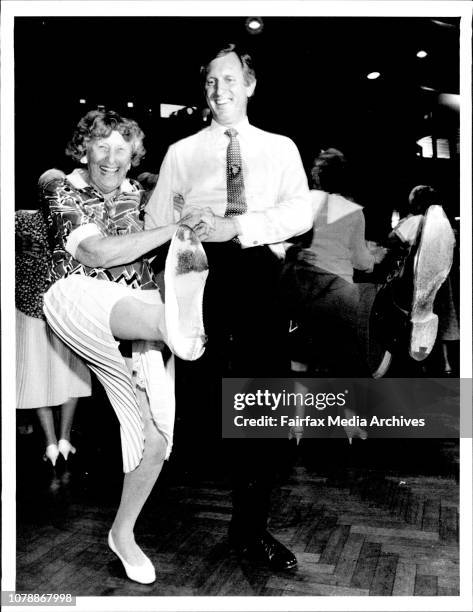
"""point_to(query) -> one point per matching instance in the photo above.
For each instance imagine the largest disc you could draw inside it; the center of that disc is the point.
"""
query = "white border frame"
(11, 9)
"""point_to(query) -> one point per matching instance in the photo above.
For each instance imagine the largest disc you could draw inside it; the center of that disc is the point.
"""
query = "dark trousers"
(242, 315)
(326, 307)
(246, 338)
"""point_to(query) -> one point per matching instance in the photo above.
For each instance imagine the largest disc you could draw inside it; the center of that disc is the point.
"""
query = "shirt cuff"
(248, 234)
(79, 234)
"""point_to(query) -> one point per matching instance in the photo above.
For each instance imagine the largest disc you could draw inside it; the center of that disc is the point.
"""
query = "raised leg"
(80, 319)
(132, 319)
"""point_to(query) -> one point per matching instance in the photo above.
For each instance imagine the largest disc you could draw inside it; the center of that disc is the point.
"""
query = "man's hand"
(225, 229)
(210, 227)
(198, 216)
(201, 220)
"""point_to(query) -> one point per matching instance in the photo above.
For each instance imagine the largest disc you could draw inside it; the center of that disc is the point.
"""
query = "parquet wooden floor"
(374, 535)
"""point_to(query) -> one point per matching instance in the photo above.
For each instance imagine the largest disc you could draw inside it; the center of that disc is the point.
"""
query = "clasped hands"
(210, 227)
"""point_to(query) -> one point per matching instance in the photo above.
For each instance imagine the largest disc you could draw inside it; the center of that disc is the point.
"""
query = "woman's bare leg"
(137, 485)
(132, 319)
(68, 410)
(46, 419)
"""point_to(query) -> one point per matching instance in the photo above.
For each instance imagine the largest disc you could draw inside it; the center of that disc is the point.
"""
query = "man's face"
(226, 91)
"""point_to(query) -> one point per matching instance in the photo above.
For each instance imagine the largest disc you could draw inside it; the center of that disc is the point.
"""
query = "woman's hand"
(203, 231)
(199, 217)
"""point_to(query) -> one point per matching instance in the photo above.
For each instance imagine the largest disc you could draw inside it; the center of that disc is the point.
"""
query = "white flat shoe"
(51, 453)
(145, 574)
(65, 447)
(185, 273)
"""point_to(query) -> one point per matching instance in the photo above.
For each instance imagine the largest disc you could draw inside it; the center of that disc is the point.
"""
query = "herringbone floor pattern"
(374, 535)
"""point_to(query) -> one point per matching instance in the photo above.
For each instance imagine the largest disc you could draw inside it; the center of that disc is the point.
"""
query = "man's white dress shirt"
(193, 174)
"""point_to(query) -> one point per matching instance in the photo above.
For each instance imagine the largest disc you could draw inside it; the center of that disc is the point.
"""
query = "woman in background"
(324, 299)
(48, 373)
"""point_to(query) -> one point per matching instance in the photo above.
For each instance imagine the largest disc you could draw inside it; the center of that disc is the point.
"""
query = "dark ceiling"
(311, 75)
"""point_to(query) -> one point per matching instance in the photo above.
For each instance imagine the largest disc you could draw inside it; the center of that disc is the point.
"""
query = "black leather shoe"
(266, 549)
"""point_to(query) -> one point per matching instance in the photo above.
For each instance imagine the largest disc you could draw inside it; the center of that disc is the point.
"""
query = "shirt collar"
(78, 177)
(241, 127)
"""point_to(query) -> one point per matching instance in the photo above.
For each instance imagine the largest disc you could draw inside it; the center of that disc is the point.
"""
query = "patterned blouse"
(32, 262)
(70, 203)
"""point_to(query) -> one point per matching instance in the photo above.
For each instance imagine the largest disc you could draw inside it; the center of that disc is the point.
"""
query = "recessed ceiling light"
(82, 101)
(421, 54)
(254, 25)
(129, 104)
(373, 75)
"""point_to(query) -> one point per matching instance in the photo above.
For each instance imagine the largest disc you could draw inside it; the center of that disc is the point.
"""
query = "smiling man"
(247, 192)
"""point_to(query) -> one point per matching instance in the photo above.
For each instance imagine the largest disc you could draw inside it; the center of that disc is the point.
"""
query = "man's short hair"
(244, 57)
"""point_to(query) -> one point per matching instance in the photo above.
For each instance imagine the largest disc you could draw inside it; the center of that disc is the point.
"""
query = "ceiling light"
(129, 104)
(421, 54)
(254, 25)
(373, 75)
(82, 101)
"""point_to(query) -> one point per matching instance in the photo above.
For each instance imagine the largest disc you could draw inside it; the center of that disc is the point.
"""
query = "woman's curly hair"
(100, 124)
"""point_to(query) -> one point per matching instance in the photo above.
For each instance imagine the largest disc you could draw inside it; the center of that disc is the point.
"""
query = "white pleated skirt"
(78, 309)
(48, 373)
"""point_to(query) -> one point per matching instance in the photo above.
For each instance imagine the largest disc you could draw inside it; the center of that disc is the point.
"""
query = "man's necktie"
(236, 202)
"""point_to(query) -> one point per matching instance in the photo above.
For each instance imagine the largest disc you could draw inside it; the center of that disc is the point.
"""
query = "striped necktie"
(236, 202)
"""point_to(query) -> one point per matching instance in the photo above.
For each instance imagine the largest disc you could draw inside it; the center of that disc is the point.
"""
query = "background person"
(48, 373)
(318, 277)
(421, 287)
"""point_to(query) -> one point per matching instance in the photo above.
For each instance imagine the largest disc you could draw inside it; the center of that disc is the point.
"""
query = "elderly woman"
(98, 243)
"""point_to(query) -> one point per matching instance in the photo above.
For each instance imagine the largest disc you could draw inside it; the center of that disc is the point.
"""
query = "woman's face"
(108, 161)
